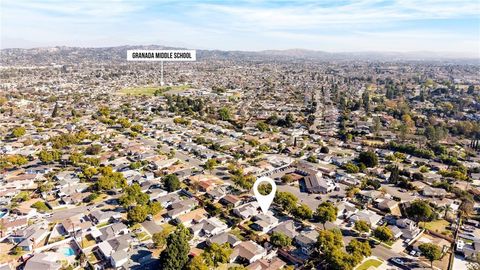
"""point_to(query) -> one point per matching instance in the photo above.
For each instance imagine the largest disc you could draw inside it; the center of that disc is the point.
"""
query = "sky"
(326, 25)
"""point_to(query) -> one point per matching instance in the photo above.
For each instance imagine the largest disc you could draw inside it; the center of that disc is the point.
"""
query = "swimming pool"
(68, 251)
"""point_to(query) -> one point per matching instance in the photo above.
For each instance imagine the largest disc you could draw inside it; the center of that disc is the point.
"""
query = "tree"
(420, 211)
(23, 196)
(302, 212)
(466, 208)
(366, 101)
(394, 175)
(105, 183)
(136, 128)
(133, 195)
(471, 89)
(175, 256)
(369, 158)
(159, 239)
(18, 132)
(93, 149)
(329, 240)
(55, 110)
(377, 125)
(279, 239)
(350, 167)
(210, 164)
(171, 182)
(362, 226)
(324, 150)
(104, 111)
(124, 122)
(237, 267)
(91, 197)
(44, 186)
(430, 251)
(262, 126)
(89, 172)
(361, 248)
(40, 206)
(312, 159)
(137, 214)
(289, 119)
(216, 254)
(326, 211)
(383, 233)
(224, 114)
(287, 200)
(49, 156)
(196, 263)
(75, 158)
(154, 208)
(287, 178)
(339, 260)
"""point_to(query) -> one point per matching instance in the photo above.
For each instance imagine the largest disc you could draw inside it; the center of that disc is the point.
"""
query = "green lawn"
(436, 226)
(387, 244)
(87, 241)
(150, 90)
(238, 233)
(168, 228)
(143, 236)
(370, 262)
(104, 224)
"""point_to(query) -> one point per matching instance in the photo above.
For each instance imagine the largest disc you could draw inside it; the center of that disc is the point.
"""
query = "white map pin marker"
(264, 200)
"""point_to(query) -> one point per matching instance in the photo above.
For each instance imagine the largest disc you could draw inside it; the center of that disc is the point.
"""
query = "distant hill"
(70, 55)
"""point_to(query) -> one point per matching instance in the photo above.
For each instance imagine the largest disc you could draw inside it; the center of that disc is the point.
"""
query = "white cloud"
(399, 25)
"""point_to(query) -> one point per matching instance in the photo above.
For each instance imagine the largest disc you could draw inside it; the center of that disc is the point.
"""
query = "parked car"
(398, 261)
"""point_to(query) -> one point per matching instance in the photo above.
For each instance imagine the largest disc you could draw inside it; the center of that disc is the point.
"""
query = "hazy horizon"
(404, 26)
(446, 54)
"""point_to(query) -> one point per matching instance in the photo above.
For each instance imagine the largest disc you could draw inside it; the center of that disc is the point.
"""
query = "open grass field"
(368, 263)
(436, 226)
(151, 90)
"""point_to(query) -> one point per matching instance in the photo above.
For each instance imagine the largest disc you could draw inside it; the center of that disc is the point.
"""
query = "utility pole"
(161, 76)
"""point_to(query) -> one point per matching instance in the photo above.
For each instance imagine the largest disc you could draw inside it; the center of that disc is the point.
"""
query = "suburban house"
(247, 210)
(264, 222)
(45, 260)
(368, 216)
(409, 228)
(306, 240)
(230, 200)
(263, 264)
(248, 251)
(224, 237)
(191, 217)
(180, 208)
(209, 227)
(287, 228)
(316, 183)
(99, 217)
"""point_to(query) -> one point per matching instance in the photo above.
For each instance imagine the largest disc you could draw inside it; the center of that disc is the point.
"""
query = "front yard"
(369, 263)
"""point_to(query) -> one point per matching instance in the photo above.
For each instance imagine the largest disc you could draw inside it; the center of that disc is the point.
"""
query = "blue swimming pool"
(68, 251)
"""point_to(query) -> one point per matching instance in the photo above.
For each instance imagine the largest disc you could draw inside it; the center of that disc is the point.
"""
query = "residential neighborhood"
(376, 163)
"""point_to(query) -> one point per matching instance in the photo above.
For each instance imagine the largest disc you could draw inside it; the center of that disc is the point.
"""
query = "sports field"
(151, 90)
